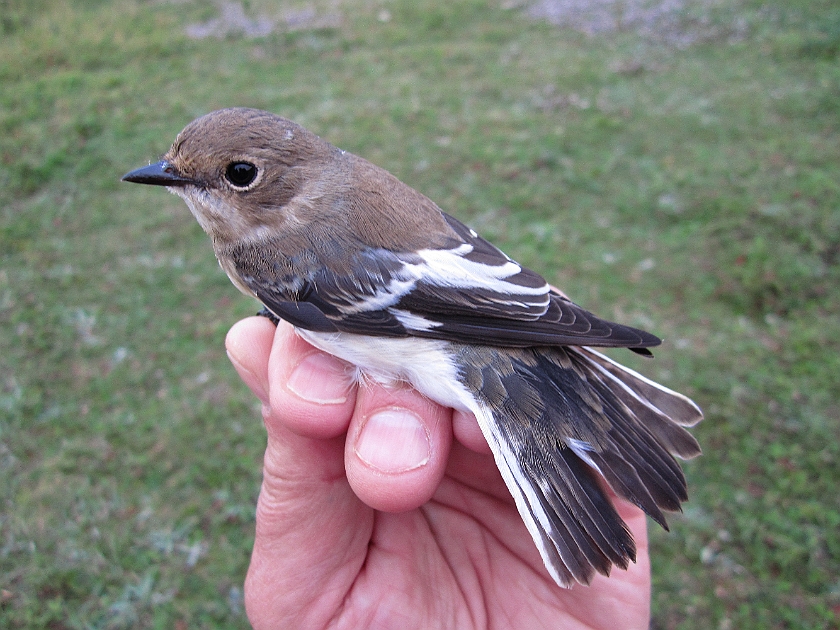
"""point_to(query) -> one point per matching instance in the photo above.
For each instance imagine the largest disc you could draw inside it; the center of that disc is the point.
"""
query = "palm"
(465, 560)
(445, 549)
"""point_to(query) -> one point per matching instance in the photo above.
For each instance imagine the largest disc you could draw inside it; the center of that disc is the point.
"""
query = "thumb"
(312, 531)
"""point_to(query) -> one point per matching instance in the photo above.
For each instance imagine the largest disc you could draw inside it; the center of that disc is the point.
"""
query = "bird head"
(238, 168)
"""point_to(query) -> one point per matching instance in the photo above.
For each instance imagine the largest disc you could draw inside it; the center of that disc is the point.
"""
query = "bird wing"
(469, 293)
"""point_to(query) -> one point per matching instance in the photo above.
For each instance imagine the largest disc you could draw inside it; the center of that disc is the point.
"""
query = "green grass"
(691, 190)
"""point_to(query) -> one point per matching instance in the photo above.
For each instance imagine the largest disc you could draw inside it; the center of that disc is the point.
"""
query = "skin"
(381, 509)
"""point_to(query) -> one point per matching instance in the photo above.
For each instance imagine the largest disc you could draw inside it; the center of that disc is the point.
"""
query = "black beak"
(158, 174)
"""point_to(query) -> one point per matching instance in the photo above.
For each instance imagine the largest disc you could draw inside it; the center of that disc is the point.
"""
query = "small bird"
(373, 272)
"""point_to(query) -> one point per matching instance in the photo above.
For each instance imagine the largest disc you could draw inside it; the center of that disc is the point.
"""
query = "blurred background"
(670, 164)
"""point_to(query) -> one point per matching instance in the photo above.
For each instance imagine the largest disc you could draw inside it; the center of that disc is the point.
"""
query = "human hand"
(381, 509)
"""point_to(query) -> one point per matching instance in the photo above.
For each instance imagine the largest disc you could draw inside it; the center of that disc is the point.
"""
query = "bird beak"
(158, 174)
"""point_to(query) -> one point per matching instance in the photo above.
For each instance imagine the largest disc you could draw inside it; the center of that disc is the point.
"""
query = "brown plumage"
(375, 273)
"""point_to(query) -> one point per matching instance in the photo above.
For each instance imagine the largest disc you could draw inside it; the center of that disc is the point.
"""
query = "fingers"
(465, 429)
(334, 452)
(311, 393)
(248, 346)
(397, 442)
(397, 448)
(308, 400)
(311, 531)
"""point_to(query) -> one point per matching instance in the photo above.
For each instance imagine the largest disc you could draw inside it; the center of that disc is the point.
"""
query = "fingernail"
(322, 379)
(394, 440)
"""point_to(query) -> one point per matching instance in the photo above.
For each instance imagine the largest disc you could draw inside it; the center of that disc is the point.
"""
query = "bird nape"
(370, 270)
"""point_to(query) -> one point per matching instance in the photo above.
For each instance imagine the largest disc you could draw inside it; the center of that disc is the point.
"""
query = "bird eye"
(241, 174)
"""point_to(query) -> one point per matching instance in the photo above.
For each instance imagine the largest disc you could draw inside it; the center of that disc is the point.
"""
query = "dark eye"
(241, 174)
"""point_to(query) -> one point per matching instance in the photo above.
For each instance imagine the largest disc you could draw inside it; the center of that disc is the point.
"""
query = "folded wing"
(470, 293)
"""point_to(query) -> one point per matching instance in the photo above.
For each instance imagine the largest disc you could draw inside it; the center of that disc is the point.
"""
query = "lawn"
(677, 170)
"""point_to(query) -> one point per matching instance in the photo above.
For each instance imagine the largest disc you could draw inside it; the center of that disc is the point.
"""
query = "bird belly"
(427, 364)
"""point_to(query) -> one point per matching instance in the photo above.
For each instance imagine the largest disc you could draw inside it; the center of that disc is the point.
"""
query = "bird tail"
(557, 419)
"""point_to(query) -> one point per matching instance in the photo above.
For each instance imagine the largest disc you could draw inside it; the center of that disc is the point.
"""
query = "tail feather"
(574, 525)
(678, 408)
(591, 518)
(556, 418)
(633, 442)
(625, 481)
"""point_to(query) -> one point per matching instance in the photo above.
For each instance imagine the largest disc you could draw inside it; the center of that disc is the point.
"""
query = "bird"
(373, 272)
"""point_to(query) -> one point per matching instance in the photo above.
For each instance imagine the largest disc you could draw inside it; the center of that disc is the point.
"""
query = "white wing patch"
(449, 268)
(412, 321)
(383, 298)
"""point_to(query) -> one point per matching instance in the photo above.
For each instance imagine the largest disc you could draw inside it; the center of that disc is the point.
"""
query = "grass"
(693, 190)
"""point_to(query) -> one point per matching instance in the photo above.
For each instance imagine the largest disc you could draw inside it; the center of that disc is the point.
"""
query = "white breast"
(424, 363)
